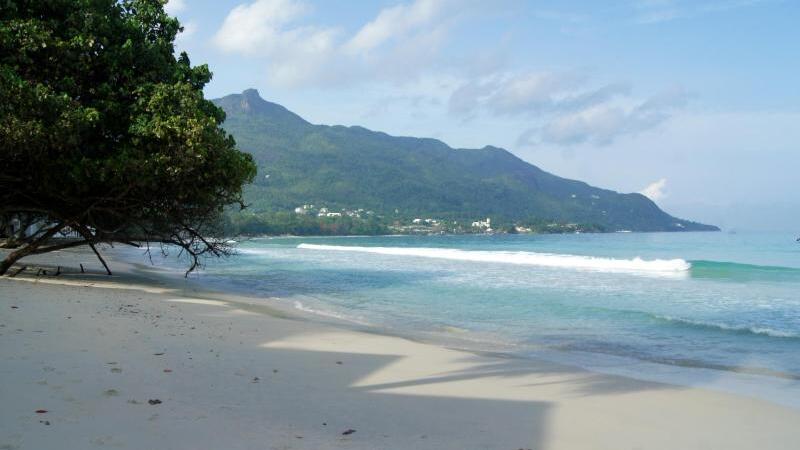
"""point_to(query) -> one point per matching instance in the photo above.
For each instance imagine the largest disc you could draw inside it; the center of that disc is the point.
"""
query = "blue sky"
(695, 103)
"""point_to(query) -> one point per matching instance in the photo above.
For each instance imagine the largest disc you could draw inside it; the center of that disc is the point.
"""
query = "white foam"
(742, 329)
(301, 307)
(664, 266)
(330, 314)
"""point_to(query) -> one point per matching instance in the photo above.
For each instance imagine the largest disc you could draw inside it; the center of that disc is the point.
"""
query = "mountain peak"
(251, 92)
(251, 99)
(250, 102)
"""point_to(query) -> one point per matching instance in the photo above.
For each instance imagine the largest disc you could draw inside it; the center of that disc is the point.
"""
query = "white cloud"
(175, 6)
(565, 107)
(259, 26)
(655, 190)
(601, 122)
(531, 93)
(468, 97)
(267, 28)
(396, 21)
(400, 42)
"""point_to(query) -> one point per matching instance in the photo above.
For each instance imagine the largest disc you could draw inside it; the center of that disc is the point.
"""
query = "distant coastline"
(465, 233)
(337, 180)
(355, 223)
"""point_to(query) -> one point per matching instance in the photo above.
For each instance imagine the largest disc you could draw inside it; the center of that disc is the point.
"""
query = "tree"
(104, 131)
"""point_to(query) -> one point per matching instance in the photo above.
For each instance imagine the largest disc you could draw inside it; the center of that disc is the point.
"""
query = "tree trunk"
(15, 256)
(28, 249)
(108, 271)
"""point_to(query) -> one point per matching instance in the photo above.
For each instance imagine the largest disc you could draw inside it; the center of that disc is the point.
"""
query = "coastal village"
(431, 225)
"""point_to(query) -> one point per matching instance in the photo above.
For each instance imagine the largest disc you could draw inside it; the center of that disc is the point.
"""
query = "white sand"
(235, 375)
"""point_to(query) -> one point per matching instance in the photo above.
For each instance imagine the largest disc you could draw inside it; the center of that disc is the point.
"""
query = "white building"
(483, 223)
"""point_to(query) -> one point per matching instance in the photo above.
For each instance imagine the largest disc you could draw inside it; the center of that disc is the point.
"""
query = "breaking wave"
(657, 266)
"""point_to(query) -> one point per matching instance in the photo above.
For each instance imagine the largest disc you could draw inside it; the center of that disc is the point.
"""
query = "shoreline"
(322, 236)
(236, 374)
(753, 382)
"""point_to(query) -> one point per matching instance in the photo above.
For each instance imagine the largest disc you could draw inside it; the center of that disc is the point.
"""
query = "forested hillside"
(354, 168)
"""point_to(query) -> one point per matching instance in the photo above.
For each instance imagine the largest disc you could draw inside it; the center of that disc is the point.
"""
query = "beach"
(134, 361)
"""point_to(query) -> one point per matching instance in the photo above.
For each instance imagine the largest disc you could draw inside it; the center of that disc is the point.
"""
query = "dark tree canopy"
(105, 132)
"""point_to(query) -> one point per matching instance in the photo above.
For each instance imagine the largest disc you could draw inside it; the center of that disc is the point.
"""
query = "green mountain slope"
(352, 167)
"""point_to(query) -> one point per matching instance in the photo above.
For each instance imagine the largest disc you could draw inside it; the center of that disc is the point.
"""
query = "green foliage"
(104, 130)
(352, 167)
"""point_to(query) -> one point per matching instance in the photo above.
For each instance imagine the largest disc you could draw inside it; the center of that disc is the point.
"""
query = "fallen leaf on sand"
(167, 370)
(41, 411)
(158, 354)
(348, 431)
(154, 401)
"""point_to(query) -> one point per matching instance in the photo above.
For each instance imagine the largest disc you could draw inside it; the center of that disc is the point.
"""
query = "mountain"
(353, 167)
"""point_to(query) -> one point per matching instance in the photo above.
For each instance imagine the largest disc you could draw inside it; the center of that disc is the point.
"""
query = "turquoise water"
(711, 301)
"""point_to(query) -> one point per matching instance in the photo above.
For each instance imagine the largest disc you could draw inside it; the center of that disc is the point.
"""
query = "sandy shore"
(229, 373)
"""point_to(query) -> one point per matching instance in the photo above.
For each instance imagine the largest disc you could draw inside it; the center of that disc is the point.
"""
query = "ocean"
(719, 310)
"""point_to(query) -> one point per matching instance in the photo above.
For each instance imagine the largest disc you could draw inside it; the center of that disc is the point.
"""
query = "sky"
(695, 103)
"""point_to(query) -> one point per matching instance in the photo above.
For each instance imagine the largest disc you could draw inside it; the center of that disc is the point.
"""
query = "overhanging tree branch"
(133, 159)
